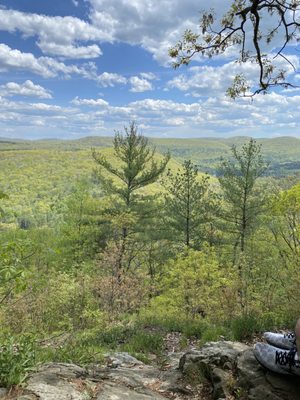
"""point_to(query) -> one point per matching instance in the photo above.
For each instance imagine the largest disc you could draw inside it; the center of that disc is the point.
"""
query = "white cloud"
(139, 84)
(15, 60)
(89, 102)
(155, 26)
(107, 79)
(274, 113)
(28, 88)
(213, 81)
(56, 35)
(148, 75)
(175, 121)
(69, 51)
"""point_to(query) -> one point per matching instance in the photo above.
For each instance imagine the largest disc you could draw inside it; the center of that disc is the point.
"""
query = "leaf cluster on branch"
(244, 27)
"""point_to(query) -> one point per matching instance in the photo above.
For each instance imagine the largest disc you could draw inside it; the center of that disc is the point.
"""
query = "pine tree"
(135, 168)
(186, 200)
(244, 202)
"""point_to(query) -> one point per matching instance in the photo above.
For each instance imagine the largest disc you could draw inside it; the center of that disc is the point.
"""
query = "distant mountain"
(283, 153)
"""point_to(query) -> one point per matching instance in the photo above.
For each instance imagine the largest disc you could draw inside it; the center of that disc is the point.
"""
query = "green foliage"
(245, 326)
(193, 285)
(217, 36)
(186, 203)
(213, 333)
(144, 342)
(114, 335)
(138, 167)
(287, 230)
(68, 268)
(163, 319)
(17, 358)
(243, 197)
(56, 303)
(82, 225)
(74, 351)
(14, 258)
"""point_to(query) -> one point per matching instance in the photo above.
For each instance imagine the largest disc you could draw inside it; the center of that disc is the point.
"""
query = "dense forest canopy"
(98, 244)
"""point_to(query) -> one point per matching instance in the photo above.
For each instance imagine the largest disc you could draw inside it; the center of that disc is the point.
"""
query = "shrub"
(17, 358)
(244, 326)
(75, 351)
(143, 342)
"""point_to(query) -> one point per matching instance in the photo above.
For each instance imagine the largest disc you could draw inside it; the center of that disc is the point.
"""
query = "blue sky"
(77, 68)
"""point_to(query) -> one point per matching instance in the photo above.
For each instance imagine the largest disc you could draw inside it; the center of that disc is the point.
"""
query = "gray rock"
(220, 380)
(232, 369)
(213, 354)
(57, 381)
(118, 359)
(122, 392)
(3, 393)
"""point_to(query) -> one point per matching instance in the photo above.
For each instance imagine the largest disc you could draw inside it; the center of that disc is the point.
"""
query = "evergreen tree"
(135, 168)
(186, 200)
(238, 178)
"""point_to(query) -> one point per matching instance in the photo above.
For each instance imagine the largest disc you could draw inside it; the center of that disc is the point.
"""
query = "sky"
(75, 68)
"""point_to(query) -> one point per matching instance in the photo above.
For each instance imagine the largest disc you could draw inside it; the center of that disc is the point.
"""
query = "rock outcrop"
(219, 370)
(123, 377)
(234, 373)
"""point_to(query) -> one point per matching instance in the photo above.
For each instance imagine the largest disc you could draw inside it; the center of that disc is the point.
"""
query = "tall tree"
(249, 26)
(135, 168)
(186, 200)
(244, 202)
(2, 197)
(138, 167)
(286, 225)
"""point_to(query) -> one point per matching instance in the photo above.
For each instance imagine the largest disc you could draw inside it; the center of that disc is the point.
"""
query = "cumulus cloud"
(28, 88)
(15, 60)
(107, 79)
(80, 52)
(274, 113)
(212, 81)
(56, 35)
(89, 102)
(148, 75)
(139, 84)
(155, 26)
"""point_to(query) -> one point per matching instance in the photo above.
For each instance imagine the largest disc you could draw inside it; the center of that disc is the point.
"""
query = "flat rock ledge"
(235, 374)
(229, 367)
(123, 377)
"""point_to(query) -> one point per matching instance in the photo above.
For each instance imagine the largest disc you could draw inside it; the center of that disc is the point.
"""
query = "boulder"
(234, 372)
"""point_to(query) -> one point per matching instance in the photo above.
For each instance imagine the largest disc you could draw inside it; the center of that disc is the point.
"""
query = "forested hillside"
(281, 153)
(104, 239)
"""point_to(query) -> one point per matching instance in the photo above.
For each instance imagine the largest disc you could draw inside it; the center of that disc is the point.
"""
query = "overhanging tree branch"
(233, 32)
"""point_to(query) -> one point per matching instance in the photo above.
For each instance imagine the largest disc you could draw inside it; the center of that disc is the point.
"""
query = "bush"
(244, 326)
(75, 351)
(17, 358)
(212, 333)
(143, 342)
(113, 336)
(193, 287)
(171, 322)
